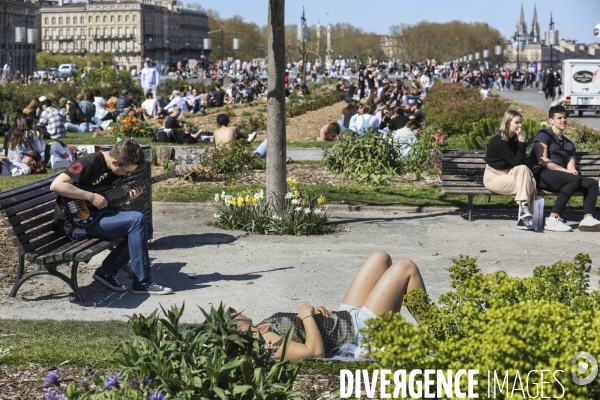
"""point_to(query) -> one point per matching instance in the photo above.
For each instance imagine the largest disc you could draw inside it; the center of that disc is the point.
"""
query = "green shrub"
(495, 322)
(301, 105)
(586, 139)
(212, 360)
(302, 214)
(220, 164)
(366, 157)
(453, 108)
(254, 123)
(482, 132)
(426, 154)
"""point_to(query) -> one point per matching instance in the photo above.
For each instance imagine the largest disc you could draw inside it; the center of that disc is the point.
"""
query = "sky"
(574, 19)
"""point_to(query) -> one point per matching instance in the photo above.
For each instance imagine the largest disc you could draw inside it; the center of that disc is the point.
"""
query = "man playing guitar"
(98, 171)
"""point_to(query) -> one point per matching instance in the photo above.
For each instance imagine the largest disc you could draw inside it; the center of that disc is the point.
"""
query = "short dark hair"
(222, 119)
(149, 94)
(556, 110)
(218, 85)
(128, 152)
(47, 103)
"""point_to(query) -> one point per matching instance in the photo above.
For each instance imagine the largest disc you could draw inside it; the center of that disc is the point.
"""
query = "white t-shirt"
(151, 107)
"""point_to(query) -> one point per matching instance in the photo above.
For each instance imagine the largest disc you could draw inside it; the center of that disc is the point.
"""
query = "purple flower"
(147, 381)
(52, 395)
(85, 384)
(432, 151)
(112, 381)
(135, 383)
(50, 379)
(157, 396)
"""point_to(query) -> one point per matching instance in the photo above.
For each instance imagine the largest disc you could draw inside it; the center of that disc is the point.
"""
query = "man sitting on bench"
(552, 162)
(100, 170)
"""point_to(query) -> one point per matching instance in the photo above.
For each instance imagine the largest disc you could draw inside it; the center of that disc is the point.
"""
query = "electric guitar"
(84, 215)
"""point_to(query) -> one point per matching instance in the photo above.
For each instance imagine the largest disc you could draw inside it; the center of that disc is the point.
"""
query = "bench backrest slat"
(10, 211)
(27, 187)
(18, 229)
(24, 216)
(44, 240)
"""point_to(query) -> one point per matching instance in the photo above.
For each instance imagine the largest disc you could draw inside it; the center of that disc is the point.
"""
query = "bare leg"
(366, 278)
(400, 278)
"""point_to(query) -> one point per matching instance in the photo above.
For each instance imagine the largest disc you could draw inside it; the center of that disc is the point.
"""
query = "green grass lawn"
(84, 344)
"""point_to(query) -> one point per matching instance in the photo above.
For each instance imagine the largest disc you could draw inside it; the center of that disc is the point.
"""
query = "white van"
(581, 86)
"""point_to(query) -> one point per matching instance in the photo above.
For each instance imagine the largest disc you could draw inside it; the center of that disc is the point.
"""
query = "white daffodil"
(295, 201)
(289, 195)
(216, 196)
(298, 209)
(307, 211)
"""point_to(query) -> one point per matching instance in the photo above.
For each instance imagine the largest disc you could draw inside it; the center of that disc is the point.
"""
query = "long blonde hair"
(504, 130)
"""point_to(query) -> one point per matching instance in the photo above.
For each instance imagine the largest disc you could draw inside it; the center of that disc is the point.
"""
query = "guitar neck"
(122, 191)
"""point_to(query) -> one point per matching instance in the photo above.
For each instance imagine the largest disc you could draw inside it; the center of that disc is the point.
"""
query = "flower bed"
(302, 213)
(454, 108)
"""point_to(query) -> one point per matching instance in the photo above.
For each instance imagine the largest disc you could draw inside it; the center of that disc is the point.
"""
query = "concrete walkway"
(260, 275)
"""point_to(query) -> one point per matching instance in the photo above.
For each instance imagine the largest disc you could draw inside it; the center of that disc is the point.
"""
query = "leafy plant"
(482, 132)
(212, 360)
(495, 322)
(302, 213)
(426, 153)
(587, 139)
(219, 164)
(253, 123)
(367, 157)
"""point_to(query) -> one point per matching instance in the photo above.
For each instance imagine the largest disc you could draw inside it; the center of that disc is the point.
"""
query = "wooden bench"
(28, 213)
(462, 173)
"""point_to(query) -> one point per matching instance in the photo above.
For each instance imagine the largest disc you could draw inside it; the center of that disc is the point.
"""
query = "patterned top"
(52, 120)
(335, 330)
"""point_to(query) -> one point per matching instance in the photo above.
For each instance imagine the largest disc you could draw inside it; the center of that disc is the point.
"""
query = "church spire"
(522, 27)
(535, 26)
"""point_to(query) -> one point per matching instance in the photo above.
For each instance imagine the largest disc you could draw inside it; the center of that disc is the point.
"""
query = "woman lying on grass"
(379, 286)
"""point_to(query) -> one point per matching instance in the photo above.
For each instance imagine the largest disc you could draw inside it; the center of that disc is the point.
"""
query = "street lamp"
(168, 65)
(498, 52)
(236, 42)
(27, 37)
(552, 38)
(518, 45)
(187, 44)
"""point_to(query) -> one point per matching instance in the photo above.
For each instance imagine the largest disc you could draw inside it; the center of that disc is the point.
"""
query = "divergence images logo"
(584, 363)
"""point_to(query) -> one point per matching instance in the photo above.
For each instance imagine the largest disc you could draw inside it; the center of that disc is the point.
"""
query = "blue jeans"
(261, 150)
(96, 121)
(79, 128)
(133, 226)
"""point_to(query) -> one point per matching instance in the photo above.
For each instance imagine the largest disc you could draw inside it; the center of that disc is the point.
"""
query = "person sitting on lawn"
(23, 140)
(177, 132)
(552, 161)
(378, 287)
(505, 169)
(225, 133)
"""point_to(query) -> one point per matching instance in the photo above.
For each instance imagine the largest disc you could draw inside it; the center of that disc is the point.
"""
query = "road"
(533, 98)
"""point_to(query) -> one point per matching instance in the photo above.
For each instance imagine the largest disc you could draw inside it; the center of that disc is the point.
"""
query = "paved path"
(533, 98)
(260, 275)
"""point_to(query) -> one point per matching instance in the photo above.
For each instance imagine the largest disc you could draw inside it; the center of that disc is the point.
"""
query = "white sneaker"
(556, 225)
(251, 136)
(589, 224)
(105, 124)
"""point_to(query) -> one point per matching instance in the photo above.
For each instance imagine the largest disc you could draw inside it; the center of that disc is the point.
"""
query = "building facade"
(20, 56)
(163, 30)
(527, 50)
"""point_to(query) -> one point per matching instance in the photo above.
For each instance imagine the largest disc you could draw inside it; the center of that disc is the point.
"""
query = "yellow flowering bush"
(303, 214)
(496, 322)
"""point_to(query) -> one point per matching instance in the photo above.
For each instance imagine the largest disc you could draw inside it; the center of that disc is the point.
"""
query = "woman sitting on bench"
(505, 171)
(379, 286)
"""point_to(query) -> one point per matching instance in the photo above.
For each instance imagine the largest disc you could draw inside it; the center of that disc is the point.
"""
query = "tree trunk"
(276, 155)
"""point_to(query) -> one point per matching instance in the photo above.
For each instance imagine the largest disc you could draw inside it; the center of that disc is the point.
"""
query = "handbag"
(538, 214)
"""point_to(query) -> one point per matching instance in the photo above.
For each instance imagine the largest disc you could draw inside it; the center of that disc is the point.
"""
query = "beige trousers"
(517, 181)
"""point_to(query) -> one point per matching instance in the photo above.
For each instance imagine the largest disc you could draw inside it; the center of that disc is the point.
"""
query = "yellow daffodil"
(240, 201)
(291, 181)
(296, 194)
(303, 202)
(320, 200)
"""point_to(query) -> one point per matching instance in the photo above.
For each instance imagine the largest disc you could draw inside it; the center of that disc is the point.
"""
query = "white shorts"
(359, 318)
